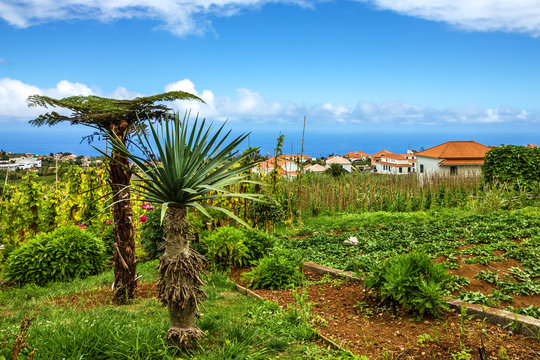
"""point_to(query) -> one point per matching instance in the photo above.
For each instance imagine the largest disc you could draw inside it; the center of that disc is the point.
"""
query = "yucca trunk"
(180, 283)
(125, 276)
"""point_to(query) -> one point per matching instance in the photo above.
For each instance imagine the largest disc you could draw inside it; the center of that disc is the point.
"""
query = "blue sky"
(416, 69)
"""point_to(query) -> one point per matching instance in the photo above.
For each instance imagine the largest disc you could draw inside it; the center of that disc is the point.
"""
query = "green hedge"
(518, 165)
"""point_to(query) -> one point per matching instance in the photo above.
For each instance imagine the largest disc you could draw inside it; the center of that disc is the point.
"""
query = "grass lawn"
(77, 321)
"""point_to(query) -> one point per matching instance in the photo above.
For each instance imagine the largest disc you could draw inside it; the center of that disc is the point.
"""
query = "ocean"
(318, 142)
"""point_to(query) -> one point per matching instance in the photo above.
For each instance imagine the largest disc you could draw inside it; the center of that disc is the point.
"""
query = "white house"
(452, 158)
(20, 163)
(346, 164)
(286, 167)
(395, 164)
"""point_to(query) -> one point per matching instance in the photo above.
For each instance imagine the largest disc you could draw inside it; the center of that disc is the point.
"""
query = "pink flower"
(82, 226)
(351, 241)
(147, 206)
(108, 222)
(143, 219)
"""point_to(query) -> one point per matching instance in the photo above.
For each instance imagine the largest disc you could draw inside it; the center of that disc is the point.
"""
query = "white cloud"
(251, 107)
(3, 61)
(13, 95)
(522, 16)
(177, 16)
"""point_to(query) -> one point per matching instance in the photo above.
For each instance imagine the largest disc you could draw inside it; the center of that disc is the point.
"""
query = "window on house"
(421, 168)
(400, 170)
(453, 170)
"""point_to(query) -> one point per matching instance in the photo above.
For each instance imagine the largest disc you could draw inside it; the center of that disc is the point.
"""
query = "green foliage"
(66, 253)
(335, 170)
(152, 234)
(412, 281)
(267, 212)
(192, 171)
(531, 310)
(258, 244)
(224, 248)
(518, 165)
(475, 297)
(278, 270)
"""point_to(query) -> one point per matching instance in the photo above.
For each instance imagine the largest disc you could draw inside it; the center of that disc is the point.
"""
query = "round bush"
(258, 244)
(278, 270)
(225, 248)
(62, 255)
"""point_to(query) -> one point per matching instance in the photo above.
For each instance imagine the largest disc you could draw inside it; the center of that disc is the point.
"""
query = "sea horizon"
(318, 142)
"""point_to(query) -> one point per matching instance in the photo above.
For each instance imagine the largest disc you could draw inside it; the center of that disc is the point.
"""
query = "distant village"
(450, 158)
(28, 161)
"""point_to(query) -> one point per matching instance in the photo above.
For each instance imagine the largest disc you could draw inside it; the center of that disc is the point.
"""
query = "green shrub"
(518, 165)
(258, 244)
(277, 270)
(224, 248)
(106, 234)
(412, 281)
(266, 212)
(62, 255)
(152, 234)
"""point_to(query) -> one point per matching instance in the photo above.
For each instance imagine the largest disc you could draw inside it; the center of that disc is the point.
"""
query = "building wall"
(388, 169)
(432, 167)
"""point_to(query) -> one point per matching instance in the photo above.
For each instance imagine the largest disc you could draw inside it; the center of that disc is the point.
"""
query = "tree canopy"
(101, 113)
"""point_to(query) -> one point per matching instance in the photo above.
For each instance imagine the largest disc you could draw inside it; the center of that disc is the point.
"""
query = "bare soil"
(352, 317)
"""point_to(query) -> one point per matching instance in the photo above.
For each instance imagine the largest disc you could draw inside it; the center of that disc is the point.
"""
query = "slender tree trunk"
(125, 282)
(180, 283)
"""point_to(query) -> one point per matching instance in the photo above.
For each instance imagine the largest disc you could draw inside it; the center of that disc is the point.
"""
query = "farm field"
(494, 257)
(351, 316)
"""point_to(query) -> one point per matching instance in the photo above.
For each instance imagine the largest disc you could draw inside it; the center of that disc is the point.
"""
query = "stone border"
(245, 291)
(520, 324)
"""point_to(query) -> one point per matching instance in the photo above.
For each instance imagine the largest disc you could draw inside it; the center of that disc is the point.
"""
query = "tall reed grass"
(358, 192)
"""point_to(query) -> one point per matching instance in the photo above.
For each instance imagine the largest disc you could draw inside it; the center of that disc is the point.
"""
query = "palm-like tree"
(192, 166)
(113, 118)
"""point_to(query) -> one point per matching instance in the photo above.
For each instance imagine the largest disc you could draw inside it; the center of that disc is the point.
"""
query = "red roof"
(356, 154)
(456, 150)
(393, 156)
(382, 152)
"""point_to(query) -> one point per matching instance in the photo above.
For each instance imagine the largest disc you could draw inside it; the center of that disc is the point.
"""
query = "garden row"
(495, 254)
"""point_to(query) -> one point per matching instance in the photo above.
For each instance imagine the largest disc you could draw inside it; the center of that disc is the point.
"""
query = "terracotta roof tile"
(393, 157)
(456, 150)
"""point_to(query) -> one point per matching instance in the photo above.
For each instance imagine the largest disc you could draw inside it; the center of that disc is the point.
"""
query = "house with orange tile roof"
(286, 167)
(395, 164)
(452, 158)
(377, 156)
(357, 155)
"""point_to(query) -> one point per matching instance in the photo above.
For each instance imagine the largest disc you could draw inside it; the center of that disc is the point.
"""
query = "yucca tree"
(192, 165)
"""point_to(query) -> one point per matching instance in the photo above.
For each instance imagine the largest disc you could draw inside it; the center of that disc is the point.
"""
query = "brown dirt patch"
(101, 296)
(372, 330)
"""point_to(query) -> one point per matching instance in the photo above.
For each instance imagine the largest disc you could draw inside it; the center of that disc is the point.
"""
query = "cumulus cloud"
(250, 107)
(13, 95)
(522, 16)
(178, 16)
